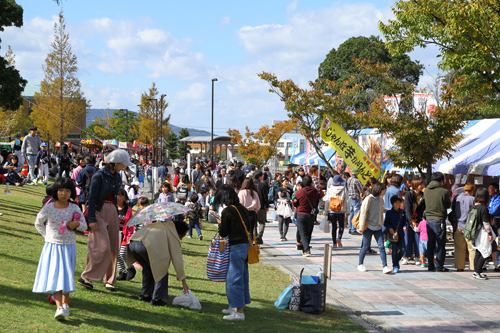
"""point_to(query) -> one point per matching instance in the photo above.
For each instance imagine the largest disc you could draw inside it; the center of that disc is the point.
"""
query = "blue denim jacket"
(102, 185)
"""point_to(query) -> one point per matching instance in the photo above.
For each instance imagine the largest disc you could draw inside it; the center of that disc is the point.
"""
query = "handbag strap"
(244, 225)
(400, 216)
(308, 200)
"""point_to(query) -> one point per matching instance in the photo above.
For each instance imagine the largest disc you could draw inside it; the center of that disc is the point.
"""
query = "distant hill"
(93, 113)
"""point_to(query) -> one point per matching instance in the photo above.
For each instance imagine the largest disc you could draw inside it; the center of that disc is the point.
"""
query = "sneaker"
(285, 239)
(361, 268)
(404, 261)
(157, 302)
(1, 214)
(86, 283)
(306, 254)
(59, 314)
(334, 245)
(30, 183)
(339, 244)
(425, 265)
(65, 307)
(418, 262)
(234, 316)
(386, 270)
(200, 237)
(121, 277)
(189, 236)
(229, 311)
(145, 298)
(109, 287)
(395, 270)
(131, 273)
(282, 239)
(479, 276)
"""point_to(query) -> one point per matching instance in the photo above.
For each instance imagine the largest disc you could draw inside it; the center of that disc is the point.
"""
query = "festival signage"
(333, 134)
(91, 142)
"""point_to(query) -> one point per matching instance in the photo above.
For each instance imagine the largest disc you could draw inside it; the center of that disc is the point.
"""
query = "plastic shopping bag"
(284, 299)
(281, 209)
(187, 301)
(288, 211)
(324, 226)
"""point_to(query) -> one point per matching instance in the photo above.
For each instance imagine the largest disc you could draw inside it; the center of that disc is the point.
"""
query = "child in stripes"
(124, 213)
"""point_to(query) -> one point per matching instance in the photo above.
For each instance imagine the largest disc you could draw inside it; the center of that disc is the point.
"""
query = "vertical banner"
(333, 134)
(308, 154)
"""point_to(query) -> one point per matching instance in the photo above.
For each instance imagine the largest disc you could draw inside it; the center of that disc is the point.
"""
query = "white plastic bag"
(188, 301)
(288, 212)
(281, 208)
(324, 226)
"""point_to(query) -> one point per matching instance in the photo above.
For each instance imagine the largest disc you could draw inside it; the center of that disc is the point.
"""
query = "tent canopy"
(314, 159)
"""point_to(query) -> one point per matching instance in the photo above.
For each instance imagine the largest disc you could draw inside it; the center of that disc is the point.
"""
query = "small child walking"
(58, 259)
(422, 243)
(42, 163)
(396, 223)
(124, 214)
(194, 216)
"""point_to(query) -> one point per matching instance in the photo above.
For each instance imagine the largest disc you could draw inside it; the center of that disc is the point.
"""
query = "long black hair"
(226, 195)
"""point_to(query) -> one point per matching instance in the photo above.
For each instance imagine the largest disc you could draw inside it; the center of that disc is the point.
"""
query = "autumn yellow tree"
(12, 120)
(257, 148)
(151, 109)
(60, 104)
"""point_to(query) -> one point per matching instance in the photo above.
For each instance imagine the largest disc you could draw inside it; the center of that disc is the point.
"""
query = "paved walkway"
(413, 300)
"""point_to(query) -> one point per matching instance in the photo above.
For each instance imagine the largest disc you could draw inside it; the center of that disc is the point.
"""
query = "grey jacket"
(31, 144)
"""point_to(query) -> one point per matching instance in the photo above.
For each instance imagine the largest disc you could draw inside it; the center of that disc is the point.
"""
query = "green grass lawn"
(99, 310)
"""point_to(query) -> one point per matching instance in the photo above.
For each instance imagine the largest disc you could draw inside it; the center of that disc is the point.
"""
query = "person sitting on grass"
(155, 246)
(57, 222)
(397, 224)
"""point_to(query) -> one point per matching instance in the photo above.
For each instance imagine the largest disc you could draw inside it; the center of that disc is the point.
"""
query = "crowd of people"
(98, 194)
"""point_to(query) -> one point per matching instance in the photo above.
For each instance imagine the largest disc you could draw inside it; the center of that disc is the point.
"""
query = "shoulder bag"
(253, 249)
(314, 210)
(218, 259)
(393, 237)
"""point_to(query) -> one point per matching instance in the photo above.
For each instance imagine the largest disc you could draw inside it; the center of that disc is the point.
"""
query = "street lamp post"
(212, 133)
(161, 125)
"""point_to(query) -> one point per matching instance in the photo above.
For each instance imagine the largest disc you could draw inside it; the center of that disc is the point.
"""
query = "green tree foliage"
(465, 31)
(340, 65)
(95, 130)
(11, 83)
(171, 145)
(124, 125)
(183, 148)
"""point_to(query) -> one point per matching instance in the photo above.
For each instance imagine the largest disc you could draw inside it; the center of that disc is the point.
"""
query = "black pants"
(283, 224)
(478, 262)
(334, 218)
(159, 290)
(253, 223)
(64, 169)
(305, 226)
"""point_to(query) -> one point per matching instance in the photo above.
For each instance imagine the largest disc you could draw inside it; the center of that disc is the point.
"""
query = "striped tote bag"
(217, 262)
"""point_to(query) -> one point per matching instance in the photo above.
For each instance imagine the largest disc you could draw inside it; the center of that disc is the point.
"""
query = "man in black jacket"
(263, 192)
(240, 174)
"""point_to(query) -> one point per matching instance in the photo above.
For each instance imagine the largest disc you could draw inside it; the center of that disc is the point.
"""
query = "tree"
(171, 144)
(465, 31)
(257, 148)
(12, 120)
(60, 104)
(340, 65)
(183, 148)
(124, 125)
(95, 131)
(149, 111)
(421, 136)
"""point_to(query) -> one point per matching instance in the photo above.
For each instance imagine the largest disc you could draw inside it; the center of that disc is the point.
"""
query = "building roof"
(30, 89)
(203, 139)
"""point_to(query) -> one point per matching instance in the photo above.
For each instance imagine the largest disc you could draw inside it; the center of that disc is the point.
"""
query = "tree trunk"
(429, 170)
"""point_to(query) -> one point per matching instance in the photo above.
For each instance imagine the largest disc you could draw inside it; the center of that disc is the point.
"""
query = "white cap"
(136, 183)
(119, 156)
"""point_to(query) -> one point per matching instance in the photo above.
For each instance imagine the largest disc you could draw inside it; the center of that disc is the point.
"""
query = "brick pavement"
(413, 300)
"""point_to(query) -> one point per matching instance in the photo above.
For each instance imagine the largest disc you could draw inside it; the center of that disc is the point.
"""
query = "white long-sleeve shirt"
(54, 216)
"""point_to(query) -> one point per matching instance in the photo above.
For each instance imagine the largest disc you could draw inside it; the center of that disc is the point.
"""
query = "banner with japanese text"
(333, 134)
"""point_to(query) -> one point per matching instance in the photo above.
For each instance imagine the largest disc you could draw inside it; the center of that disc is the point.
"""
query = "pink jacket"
(252, 204)
(74, 175)
(422, 226)
(127, 231)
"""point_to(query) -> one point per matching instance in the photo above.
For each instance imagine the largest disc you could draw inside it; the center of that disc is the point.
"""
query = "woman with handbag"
(337, 206)
(249, 198)
(234, 224)
(371, 220)
(306, 212)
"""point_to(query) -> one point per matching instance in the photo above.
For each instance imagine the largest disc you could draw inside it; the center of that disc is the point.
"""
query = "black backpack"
(65, 159)
(86, 186)
(182, 192)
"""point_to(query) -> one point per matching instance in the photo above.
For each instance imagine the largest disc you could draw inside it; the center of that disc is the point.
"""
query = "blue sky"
(123, 46)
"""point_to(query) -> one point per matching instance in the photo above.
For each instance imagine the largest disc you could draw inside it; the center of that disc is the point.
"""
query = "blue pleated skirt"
(56, 269)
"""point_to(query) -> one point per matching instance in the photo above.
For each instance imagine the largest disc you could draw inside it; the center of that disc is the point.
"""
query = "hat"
(354, 171)
(136, 183)
(283, 179)
(44, 144)
(119, 156)
(470, 187)
(18, 135)
(338, 180)
(301, 169)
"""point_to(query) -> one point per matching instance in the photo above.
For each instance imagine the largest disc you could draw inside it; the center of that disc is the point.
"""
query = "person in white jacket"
(337, 190)
(371, 220)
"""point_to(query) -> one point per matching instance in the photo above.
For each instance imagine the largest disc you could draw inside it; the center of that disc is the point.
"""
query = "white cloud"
(225, 20)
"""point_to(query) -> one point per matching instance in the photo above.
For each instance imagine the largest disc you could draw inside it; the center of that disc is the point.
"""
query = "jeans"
(20, 160)
(158, 289)
(367, 239)
(334, 218)
(31, 166)
(355, 207)
(411, 241)
(305, 226)
(196, 224)
(237, 286)
(437, 234)
(398, 250)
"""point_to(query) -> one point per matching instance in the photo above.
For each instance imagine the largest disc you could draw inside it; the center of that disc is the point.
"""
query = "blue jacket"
(102, 185)
(391, 191)
(161, 171)
(494, 205)
(392, 219)
(81, 178)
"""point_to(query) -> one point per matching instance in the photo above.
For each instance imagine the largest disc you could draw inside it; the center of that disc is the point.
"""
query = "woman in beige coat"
(371, 220)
